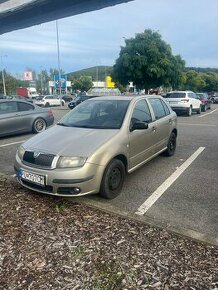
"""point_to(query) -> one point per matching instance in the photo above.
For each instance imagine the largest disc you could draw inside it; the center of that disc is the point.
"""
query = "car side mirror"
(139, 126)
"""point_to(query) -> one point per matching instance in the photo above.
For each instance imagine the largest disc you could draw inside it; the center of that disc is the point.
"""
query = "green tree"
(148, 61)
(11, 83)
(83, 83)
(193, 81)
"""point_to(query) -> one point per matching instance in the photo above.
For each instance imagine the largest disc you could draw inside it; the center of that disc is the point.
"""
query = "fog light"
(75, 190)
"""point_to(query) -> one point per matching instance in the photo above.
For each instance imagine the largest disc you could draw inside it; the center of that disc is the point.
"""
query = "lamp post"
(3, 74)
(59, 66)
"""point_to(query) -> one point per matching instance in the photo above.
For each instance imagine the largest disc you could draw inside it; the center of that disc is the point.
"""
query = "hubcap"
(114, 179)
(39, 125)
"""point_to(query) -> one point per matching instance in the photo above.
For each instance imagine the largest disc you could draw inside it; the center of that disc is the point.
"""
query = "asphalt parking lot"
(179, 193)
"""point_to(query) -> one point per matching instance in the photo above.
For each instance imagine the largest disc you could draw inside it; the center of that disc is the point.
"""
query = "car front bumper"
(63, 182)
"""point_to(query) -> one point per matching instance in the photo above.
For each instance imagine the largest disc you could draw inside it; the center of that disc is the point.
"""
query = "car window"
(175, 95)
(8, 107)
(166, 108)
(24, 107)
(141, 113)
(158, 108)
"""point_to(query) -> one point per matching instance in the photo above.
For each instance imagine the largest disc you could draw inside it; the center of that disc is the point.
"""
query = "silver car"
(18, 117)
(95, 145)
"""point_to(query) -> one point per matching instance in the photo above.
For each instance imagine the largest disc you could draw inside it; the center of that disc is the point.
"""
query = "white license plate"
(32, 177)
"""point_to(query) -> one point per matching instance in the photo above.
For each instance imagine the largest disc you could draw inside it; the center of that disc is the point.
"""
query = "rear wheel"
(189, 112)
(171, 146)
(47, 104)
(199, 110)
(113, 179)
(204, 108)
(39, 125)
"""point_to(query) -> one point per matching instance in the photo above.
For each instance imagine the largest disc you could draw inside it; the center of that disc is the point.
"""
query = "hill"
(97, 73)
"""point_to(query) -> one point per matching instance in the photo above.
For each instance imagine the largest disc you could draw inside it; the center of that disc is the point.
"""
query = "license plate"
(32, 177)
(173, 102)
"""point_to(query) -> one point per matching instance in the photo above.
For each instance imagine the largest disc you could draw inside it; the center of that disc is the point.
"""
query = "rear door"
(25, 111)
(162, 126)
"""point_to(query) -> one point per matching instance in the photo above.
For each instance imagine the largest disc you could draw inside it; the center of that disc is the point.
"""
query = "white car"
(184, 102)
(49, 100)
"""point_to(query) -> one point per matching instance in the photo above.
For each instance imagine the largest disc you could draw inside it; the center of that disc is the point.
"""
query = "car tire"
(47, 104)
(199, 110)
(113, 179)
(171, 146)
(62, 103)
(204, 108)
(189, 112)
(39, 125)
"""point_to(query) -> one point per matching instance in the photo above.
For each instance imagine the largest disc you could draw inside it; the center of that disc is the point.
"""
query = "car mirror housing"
(139, 126)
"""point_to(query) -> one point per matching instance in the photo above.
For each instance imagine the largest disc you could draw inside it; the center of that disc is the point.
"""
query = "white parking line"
(208, 113)
(187, 124)
(9, 144)
(167, 183)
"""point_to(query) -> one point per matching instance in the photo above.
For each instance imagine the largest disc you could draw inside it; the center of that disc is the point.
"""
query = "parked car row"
(188, 102)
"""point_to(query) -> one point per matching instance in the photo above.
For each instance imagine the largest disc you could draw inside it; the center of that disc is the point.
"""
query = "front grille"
(39, 160)
(47, 188)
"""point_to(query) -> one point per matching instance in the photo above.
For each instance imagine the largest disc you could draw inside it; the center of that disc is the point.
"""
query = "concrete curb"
(180, 231)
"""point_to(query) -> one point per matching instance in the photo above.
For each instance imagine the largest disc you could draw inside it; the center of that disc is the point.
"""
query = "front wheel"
(113, 179)
(171, 146)
(39, 125)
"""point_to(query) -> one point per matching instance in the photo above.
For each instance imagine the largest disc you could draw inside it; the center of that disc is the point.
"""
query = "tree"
(11, 83)
(83, 83)
(148, 61)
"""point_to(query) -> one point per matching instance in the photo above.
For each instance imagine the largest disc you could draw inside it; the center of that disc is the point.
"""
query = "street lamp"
(59, 66)
(3, 74)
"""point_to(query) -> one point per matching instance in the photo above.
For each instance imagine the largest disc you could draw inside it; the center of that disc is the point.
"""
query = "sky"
(95, 38)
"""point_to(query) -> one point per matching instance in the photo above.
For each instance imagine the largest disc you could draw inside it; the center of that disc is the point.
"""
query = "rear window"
(175, 95)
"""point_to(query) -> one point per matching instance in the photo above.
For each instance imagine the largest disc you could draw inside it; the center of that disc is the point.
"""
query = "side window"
(158, 108)
(8, 107)
(166, 109)
(24, 107)
(141, 113)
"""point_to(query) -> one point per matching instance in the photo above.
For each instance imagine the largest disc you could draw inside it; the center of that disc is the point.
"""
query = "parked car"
(93, 147)
(205, 101)
(49, 100)
(78, 100)
(18, 116)
(184, 102)
(67, 98)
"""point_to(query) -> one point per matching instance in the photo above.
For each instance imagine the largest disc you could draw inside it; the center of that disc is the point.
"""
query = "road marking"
(208, 125)
(208, 113)
(167, 183)
(9, 144)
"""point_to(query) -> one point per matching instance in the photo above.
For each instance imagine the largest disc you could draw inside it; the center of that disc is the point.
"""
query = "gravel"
(55, 243)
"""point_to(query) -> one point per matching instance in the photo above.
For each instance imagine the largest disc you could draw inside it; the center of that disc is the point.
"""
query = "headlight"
(71, 162)
(20, 152)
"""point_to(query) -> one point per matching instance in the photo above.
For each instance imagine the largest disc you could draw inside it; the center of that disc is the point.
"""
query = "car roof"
(180, 92)
(15, 100)
(124, 97)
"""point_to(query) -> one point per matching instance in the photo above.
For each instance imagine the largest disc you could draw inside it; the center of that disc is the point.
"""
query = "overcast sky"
(94, 38)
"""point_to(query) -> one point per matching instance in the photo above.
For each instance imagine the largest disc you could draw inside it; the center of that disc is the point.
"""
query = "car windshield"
(97, 114)
(39, 97)
(175, 95)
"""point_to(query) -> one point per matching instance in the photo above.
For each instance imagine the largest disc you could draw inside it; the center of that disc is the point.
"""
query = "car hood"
(68, 141)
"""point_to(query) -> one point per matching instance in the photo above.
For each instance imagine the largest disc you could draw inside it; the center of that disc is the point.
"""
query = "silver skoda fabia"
(95, 145)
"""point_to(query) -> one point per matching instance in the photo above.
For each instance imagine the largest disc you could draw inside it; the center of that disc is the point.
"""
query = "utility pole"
(3, 74)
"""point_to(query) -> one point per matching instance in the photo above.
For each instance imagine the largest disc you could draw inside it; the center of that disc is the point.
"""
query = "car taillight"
(203, 101)
(185, 100)
(50, 112)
